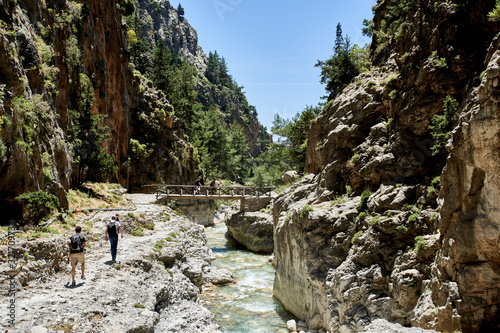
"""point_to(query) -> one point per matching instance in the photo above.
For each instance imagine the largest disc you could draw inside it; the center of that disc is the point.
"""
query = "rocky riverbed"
(154, 286)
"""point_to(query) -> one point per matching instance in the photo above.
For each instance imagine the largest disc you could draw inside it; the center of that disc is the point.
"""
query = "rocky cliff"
(162, 22)
(365, 235)
(47, 47)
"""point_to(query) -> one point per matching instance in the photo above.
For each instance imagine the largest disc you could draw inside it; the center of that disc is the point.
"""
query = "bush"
(356, 236)
(138, 232)
(443, 124)
(38, 204)
(305, 211)
(495, 13)
(364, 199)
(420, 244)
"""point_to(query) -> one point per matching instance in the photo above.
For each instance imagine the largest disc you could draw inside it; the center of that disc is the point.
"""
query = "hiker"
(112, 230)
(77, 244)
(198, 184)
(213, 187)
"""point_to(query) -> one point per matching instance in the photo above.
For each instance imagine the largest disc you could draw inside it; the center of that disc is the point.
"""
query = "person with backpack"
(112, 230)
(77, 244)
(213, 187)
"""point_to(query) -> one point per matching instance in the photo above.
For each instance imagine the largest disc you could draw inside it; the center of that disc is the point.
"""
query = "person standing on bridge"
(213, 187)
(198, 184)
(112, 229)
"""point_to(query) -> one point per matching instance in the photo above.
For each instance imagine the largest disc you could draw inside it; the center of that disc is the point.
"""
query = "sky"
(271, 46)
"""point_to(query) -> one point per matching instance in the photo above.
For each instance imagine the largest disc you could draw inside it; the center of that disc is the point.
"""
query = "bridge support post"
(242, 204)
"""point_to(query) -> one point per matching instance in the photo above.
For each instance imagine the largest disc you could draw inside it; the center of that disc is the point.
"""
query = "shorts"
(77, 257)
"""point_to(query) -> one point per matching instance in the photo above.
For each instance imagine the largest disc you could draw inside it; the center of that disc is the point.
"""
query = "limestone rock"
(201, 211)
(381, 325)
(253, 230)
(137, 294)
(290, 177)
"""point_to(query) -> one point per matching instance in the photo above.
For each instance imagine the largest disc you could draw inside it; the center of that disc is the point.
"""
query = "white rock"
(291, 325)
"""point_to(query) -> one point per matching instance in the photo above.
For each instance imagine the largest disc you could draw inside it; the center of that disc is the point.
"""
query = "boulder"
(253, 230)
(289, 177)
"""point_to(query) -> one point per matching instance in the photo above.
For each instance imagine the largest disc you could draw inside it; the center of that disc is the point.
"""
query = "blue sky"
(271, 46)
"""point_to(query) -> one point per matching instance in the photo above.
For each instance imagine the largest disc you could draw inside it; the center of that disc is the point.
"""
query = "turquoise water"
(247, 305)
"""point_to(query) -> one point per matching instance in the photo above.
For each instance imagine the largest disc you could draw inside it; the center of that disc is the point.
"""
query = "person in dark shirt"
(77, 245)
(112, 229)
(198, 184)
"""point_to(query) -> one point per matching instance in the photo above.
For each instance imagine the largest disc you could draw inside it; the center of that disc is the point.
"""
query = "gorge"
(393, 223)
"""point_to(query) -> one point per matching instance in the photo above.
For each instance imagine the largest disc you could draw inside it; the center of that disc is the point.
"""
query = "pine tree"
(180, 11)
(341, 68)
(86, 134)
(237, 165)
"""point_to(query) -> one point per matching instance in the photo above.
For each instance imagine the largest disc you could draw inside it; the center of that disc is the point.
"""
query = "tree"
(341, 68)
(38, 205)
(237, 165)
(297, 131)
(442, 125)
(175, 78)
(180, 11)
(86, 134)
(367, 29)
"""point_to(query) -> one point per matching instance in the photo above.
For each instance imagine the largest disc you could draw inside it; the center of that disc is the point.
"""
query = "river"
(247, 305)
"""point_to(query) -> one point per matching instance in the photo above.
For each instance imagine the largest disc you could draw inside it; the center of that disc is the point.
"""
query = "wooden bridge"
(208, 193)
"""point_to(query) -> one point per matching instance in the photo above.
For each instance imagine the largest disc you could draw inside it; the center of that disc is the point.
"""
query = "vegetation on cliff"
(215, 114)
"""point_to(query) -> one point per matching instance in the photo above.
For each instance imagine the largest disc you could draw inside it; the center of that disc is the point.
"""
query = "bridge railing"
(236, 192)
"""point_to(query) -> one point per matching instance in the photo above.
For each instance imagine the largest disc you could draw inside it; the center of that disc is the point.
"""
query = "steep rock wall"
(466, 266)
(364, 237)
(45, 47)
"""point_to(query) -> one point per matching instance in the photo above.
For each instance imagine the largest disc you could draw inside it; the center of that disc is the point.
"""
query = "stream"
(247, 305)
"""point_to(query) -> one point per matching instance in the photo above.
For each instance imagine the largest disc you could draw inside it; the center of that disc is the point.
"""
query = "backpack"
(112, 229)
(75, 243)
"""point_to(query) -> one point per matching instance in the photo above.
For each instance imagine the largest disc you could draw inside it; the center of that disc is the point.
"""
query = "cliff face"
(45, 47)
(162, 22)
(466, 266)
(365, 235)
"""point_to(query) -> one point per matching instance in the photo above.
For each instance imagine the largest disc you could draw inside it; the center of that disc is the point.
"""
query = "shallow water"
(248, 305)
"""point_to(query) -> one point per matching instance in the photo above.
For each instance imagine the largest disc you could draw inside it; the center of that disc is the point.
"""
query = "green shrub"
(407, 207)
(138, 232)
(413, 217)
(356, 236)
(305, 211)
(355, 158)
(348, 190)
(420, 244)
(132, 216)
(38, 204)
(339, 200)
(139, 150)
(159, 245)
(495, 13)
(150, 225)
(402, 228)
(391, 78)
(443, 124)
(364, 199)
(374, 220)
(361, 216)
(139, 305)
